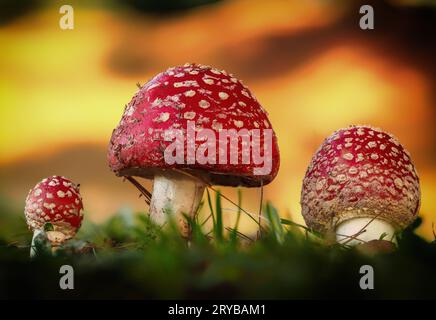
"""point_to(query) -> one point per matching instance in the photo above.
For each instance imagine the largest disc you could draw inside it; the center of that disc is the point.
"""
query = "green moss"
(129, 258)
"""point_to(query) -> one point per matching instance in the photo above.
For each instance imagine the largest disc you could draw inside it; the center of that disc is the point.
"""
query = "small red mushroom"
(361, 183)
(54, 206)
(208, 100)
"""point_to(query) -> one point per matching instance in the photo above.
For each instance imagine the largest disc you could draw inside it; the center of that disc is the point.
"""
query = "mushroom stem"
(48, 239)
(361, 230)
(38, 239)
(176, 194)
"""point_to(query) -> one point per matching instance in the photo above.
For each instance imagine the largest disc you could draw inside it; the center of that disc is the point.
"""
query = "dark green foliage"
(129, 258)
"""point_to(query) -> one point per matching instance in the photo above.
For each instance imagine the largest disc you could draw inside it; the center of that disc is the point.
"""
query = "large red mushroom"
(184, 110)
(361, 184)
(54, 208)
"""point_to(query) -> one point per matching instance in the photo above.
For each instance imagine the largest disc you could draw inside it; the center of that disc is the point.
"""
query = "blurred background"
(308, 62)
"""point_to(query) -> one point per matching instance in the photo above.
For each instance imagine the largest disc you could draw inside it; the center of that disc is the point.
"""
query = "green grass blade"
(219, 218)
(234, 233)
(209, 202)
(294, 224)
(275, 222)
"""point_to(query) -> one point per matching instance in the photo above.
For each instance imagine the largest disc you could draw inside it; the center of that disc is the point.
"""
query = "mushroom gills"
(349, 231)
(175, 194)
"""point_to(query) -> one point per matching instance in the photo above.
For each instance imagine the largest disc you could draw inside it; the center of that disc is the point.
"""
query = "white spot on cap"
(333, 187)
(223, 95)
(49, 206)
(38, 192)
(164, 116)
(189, 115)
(398, 183)
(238, 123)
(374, 156)
(242, 104)
(204, 104)
(266, 123)
(154, 85)
(215, 71)
(156, 102)
(353, 170)
(49, 196)
(363, 174)
(208, 81)
(341, 178)
(348, 156)
(216, 125)
(187, 83)
(130, 110)
(245, 93)
(357, 189)
(61, 194)
(190, 93)
(320, 184)
(372, 144)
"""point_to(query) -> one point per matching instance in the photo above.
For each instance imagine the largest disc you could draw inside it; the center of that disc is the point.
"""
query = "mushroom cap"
(360, 171)
(210, 98)
(55, 200)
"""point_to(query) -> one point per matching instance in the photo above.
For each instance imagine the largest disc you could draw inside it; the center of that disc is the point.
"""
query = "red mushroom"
(362, 184)
(54, 207)
(188, 110)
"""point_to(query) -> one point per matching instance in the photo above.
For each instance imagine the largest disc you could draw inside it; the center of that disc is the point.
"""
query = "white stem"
(349, 231)
(54, 238)
(176, 194)
(38, 236)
